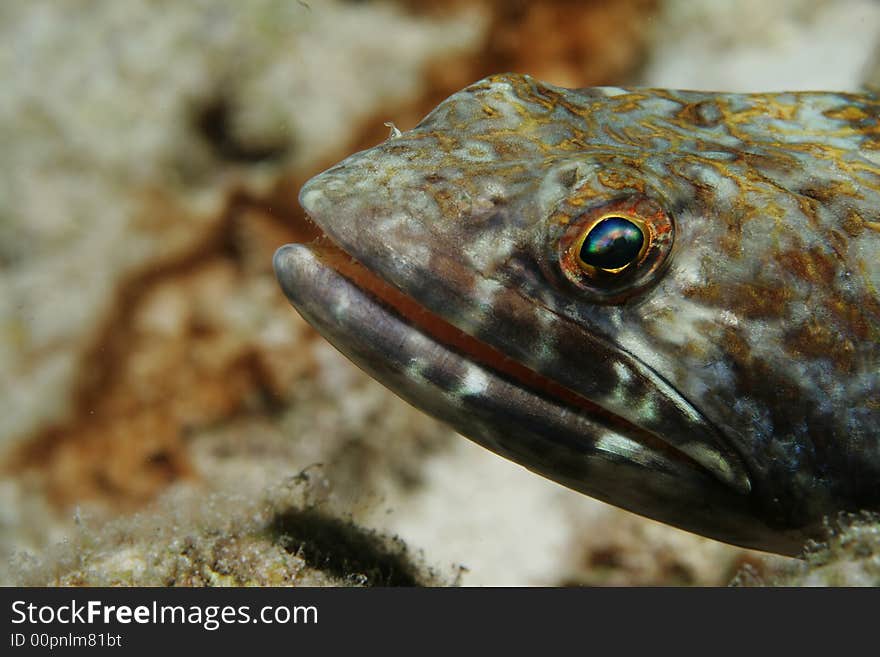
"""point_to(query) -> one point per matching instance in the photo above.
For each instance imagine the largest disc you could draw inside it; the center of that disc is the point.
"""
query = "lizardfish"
(667, 300)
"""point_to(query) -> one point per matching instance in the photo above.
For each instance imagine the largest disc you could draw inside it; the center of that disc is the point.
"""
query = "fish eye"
(614, 250)
(612, 244)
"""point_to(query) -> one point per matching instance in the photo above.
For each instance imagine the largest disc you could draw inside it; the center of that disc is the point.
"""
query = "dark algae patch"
(341, 548)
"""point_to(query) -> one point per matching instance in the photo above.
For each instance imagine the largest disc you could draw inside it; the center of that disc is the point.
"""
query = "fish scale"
(724, 379)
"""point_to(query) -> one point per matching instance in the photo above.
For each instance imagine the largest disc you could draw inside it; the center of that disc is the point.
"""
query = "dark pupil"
(613, 243)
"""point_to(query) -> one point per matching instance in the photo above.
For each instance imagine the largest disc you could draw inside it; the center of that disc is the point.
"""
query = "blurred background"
(165, 416)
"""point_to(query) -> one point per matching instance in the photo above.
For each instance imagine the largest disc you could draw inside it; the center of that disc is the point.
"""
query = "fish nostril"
(568, 178)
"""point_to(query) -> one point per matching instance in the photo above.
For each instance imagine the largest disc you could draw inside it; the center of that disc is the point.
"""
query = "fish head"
(611, 288)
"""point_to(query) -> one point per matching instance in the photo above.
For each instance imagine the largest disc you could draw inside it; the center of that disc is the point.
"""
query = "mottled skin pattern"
(736, 370)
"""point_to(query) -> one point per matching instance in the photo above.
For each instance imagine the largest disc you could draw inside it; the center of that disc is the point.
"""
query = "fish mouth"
(379, 298)
(510, 408)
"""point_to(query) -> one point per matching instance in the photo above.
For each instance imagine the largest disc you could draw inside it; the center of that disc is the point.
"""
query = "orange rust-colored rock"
(573, 43)
(181, 350)
(565, 42)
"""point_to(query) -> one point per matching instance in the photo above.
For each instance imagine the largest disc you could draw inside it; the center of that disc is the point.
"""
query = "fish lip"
(678, 491)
